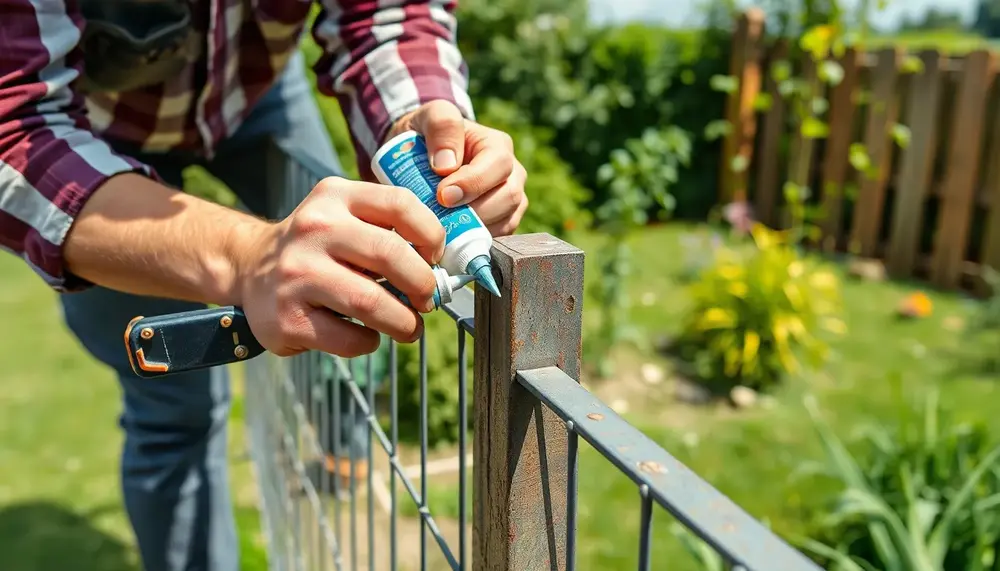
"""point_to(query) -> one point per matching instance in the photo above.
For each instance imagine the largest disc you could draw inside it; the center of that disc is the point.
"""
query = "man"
(94, 134)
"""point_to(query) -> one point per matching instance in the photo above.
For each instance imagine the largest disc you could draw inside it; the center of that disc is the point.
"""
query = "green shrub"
(596, 88)
(921, 496)
(756, 311)
(638, 179)
(651, 77)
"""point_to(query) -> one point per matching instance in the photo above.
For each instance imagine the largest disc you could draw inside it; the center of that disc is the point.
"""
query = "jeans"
(174, 462)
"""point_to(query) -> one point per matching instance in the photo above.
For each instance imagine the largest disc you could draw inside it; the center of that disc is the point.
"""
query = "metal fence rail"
(312, 419)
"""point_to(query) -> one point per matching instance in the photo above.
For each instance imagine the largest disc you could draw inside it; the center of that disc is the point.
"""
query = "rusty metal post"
(520, 446)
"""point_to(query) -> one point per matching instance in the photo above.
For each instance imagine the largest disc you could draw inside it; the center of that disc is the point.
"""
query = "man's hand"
(316, 260)
(477, 163)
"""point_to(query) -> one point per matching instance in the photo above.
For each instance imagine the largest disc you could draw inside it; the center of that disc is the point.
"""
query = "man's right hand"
(138, 236)
(316, 260)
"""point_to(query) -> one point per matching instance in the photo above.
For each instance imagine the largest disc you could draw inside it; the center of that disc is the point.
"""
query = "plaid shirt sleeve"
(382, 60)
(50, 161)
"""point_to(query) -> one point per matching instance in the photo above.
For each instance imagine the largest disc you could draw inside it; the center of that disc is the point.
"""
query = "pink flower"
(739, 215)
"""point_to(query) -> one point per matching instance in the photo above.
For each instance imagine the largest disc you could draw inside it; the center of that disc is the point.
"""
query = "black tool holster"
(129, 44)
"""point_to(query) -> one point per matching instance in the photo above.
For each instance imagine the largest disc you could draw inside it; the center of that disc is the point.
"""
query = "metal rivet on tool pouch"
(146, 333)
(240, 351)
(226, 321)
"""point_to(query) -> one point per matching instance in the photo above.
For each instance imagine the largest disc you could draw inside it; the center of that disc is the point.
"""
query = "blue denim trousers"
(174, 473)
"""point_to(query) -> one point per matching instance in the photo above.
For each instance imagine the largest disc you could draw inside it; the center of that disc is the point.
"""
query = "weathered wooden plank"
(883, 109)
(801, 151)
(520, 446)
(990, 198)
(744, 65)
(768, 159)
(917, 166)
(836, 164)
(962, 169)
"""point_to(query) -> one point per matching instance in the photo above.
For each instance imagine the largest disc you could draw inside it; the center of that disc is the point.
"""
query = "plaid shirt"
(381, 59)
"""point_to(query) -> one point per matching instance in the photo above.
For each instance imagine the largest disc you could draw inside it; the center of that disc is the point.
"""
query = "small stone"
(867, 269)
(652, 374)
(953, 323)
(619, 405)
(691, 393)
(743, 397)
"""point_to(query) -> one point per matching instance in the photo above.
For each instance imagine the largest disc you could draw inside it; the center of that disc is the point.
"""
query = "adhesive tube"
(403, 162)
(446, 286)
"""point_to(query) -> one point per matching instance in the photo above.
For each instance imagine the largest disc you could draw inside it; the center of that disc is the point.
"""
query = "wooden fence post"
(958, 190)
(882, 113)
(837, 150)
(768, 160)
(520, 447)
(916, 171)
(744, 66)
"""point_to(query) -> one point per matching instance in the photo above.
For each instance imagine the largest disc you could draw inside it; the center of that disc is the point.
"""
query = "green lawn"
(60, 505)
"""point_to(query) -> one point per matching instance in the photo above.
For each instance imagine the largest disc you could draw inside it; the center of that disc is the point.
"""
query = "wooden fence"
(929, 208)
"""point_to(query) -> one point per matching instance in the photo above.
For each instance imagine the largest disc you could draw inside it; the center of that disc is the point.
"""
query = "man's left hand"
(477, 164)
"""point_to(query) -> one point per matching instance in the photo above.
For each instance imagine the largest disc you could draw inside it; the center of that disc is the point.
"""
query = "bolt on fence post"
(520, 447)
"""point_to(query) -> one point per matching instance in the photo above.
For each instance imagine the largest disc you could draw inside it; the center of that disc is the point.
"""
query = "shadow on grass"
(43, 536)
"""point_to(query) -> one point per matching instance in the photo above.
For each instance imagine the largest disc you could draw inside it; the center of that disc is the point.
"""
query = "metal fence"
(325, 504)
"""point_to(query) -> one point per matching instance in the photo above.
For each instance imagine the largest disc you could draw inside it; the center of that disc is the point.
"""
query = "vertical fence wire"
(645, 528)
(463, 432)
(423, 452)
(394, 453)
(572, 449)
(352, 495)
(369, 373)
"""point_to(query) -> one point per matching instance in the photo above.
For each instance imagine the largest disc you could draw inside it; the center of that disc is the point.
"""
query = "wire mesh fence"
(332, 479)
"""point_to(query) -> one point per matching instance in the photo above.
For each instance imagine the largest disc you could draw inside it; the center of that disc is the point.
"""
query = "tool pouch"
(128, 44)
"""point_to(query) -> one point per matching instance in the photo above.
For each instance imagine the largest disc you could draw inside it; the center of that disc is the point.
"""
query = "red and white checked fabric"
(381, 59)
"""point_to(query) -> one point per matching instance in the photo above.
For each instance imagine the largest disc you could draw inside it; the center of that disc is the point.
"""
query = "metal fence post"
(520, 470)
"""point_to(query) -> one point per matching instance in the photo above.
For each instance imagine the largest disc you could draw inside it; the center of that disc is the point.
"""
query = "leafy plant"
(987, 316)
(638, 178)
(756, 311)
(922, 496)
(708, 559)
(984, 323)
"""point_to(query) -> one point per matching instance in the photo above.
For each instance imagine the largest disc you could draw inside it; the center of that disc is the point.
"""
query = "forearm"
(139, 236)
(382, 62)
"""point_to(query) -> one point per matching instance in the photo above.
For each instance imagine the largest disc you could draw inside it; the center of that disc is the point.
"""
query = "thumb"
(442, 125)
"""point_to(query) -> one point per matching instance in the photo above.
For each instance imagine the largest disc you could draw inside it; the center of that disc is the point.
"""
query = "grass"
(60, 503)
(750, 455)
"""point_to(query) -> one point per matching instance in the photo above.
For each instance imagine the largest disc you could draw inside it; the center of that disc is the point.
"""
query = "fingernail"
(428, 306)
(444, 159)
(450, 195)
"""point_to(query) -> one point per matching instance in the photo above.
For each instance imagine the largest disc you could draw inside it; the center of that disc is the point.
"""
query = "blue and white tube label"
(406, 164)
